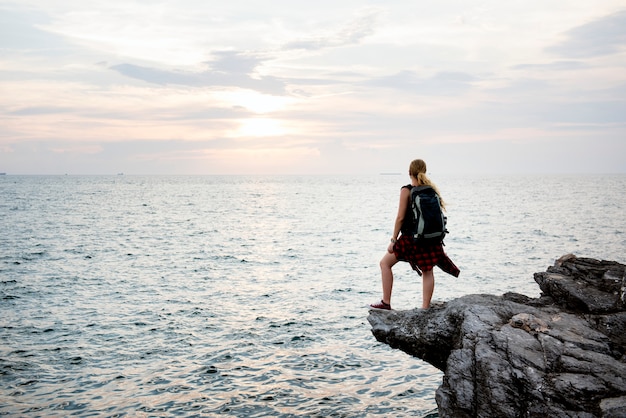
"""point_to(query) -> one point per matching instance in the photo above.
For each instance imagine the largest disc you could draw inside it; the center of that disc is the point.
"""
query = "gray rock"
(559, 355)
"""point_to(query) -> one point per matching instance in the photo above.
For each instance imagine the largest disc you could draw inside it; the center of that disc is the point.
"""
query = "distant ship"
(3, 174)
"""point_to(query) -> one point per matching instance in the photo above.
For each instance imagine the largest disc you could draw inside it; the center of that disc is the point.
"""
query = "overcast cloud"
(207, 87)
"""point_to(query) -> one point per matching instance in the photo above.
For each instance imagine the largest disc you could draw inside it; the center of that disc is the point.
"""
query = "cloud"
(230, 69)
(565, 65)
(209, 87)
(19, 30)
(603, 36)
(442, 83)
(232, 62)
(40, 110)
(352, 33)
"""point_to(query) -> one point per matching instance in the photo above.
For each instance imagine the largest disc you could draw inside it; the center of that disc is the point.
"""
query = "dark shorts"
(423, 258)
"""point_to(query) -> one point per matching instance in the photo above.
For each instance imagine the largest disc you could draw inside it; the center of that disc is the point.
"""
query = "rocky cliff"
(559, 355)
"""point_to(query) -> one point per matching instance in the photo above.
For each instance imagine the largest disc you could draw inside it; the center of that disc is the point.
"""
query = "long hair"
(417, 169)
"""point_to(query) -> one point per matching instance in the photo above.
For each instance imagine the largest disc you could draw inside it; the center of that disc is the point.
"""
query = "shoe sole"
(371, 308)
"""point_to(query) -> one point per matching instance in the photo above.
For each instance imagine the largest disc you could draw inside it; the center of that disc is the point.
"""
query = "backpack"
(429, 220)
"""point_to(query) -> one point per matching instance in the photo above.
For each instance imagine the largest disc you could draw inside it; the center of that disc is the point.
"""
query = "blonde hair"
(417, 169)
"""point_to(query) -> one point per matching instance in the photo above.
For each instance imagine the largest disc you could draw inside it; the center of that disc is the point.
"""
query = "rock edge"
(559, 355)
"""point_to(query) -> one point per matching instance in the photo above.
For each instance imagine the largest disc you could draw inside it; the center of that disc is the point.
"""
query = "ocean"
(245, 295)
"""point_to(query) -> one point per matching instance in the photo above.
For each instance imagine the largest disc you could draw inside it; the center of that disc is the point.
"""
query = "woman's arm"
(402, 205)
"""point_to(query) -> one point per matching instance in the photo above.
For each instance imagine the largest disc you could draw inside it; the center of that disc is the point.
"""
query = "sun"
(260, 127)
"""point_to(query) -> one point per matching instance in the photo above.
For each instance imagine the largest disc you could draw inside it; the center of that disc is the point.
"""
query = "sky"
(324, 87)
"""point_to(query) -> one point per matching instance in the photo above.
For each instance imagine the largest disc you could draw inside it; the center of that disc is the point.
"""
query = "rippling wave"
(203, 296)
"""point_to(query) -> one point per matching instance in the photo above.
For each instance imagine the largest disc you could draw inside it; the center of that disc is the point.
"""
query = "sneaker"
(381, 306)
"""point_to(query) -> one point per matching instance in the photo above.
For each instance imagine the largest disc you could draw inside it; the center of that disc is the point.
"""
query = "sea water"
(245, 295)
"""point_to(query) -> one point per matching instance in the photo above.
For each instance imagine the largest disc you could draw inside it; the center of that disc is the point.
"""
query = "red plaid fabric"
(424, 258)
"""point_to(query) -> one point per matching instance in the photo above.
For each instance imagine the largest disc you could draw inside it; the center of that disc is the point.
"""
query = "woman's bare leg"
(386, 263)
(428, 287)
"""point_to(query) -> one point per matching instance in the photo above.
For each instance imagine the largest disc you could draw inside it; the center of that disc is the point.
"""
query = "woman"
(422, 258)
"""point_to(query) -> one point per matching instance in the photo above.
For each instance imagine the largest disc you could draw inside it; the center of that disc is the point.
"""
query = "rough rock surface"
(559, 355)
